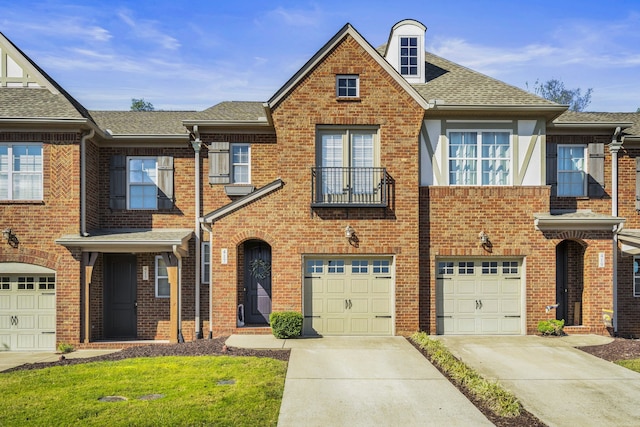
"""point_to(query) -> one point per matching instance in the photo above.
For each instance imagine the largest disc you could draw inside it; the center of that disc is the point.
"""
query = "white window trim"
(355, 77)
(585, 171)
(206, 263)
(129, 183)
(157, 277)
(232, 164)
(11, 172)
(479, 157)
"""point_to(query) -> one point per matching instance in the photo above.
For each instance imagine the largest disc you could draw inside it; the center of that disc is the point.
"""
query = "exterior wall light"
(485, 242)
(10, 237)
(348, 232)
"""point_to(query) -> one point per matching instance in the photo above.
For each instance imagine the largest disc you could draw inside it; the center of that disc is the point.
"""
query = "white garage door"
(477, 296)
(27, 312)
(348, 296)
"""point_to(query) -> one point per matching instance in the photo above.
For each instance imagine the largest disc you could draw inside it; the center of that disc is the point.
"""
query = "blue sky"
(186, 55)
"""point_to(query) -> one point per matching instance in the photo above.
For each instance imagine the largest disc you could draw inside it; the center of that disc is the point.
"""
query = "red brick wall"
(451, 219)
(38, 224)
(285, 220)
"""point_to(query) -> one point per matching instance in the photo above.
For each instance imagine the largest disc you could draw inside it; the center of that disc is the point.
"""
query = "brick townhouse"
(378, 192)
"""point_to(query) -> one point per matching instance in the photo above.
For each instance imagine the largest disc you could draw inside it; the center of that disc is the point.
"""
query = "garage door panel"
(381, 306)
(473, 296)
(360, 286)
(5, 302)
(26, 302)
(335, 286)
(352, 294)
(28, 307)
(335, 305)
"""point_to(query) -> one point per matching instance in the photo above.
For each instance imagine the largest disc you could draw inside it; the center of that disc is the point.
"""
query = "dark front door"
(562, 280)
(120, 296)
(257, 274)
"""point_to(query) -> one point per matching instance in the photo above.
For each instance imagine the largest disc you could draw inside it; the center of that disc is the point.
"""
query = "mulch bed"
(618, 349)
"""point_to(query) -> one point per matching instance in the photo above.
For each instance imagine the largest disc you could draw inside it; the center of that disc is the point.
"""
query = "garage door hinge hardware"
(511, 278)
(383, 317)
(48, 332)
(14, 320)
(383, 277)
(312, 277)
(513, 316)
(308, 317)
(444, 317)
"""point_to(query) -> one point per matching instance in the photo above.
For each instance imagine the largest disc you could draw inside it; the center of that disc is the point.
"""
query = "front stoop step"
(253, 330)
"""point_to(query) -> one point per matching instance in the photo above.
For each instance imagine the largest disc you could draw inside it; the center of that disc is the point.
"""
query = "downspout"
(614, 148)
(209, 229)
(176, 252)
(197, 145)
(83, 181)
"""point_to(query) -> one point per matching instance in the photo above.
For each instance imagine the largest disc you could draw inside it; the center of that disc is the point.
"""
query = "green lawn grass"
(633, 364)
(203, 390)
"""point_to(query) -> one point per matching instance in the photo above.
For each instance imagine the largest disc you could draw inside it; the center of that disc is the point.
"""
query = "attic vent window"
(409, 56)
(348, 86)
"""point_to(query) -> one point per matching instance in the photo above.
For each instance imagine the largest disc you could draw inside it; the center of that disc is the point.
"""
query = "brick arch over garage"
(34, 257)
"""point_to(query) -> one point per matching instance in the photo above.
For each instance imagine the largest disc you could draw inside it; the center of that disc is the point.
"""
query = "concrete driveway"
(358, 381)
(561, 385)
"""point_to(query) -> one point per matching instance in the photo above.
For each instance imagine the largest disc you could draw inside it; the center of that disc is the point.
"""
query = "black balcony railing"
(344, 187)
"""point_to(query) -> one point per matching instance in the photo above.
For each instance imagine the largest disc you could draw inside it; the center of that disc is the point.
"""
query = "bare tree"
(554, 90)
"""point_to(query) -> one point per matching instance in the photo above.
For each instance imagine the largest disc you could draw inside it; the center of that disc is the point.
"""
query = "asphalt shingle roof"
(143, 122)
(603, 117)
(234, 110)
(36, 103)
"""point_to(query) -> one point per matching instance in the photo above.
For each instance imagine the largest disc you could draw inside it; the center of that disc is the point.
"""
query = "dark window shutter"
(165, 182)
(118, 182)
(552, 168)
(638, 183)
(219, 163)
(596, 169)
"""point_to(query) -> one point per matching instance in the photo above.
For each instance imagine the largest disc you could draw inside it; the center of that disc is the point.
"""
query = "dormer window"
(348, 86)
(409, 56)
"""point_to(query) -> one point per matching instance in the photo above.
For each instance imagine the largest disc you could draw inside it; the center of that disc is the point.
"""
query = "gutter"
(197, 145)
(614, 147)
(83, 181)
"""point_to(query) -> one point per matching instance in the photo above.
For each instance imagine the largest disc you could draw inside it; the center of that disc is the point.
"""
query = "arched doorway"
(257, 282)
(569, 281)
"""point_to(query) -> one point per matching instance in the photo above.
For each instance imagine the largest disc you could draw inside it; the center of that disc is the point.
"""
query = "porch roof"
(131, 240)
(575, 220)
(630, 241)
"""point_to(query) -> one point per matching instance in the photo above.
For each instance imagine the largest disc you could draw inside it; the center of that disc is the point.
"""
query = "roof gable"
(18, 72)
(347, 30)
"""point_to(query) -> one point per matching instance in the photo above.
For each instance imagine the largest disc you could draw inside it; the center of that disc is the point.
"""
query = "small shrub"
(65, 348)
(551, 327)
(286, 324)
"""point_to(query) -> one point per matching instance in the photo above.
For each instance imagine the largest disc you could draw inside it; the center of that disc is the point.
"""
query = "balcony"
(349, 187)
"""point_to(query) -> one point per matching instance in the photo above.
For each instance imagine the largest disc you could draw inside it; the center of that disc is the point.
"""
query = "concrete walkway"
(561, 385)
(358, 381)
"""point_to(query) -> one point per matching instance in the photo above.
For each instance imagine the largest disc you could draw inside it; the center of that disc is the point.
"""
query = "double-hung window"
(21, 172)
(347, 86)
(240, 163)
(572, 174)
(142, 187)
(409, 56)
(479, 158)
(162, 278)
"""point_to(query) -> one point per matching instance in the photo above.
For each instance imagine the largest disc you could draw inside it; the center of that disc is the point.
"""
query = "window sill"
(21, 202)
(348, 99)
(238, 189)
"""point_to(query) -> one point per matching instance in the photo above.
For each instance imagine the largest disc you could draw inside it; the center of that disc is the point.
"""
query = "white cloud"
(297, 17)
(146, 30)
